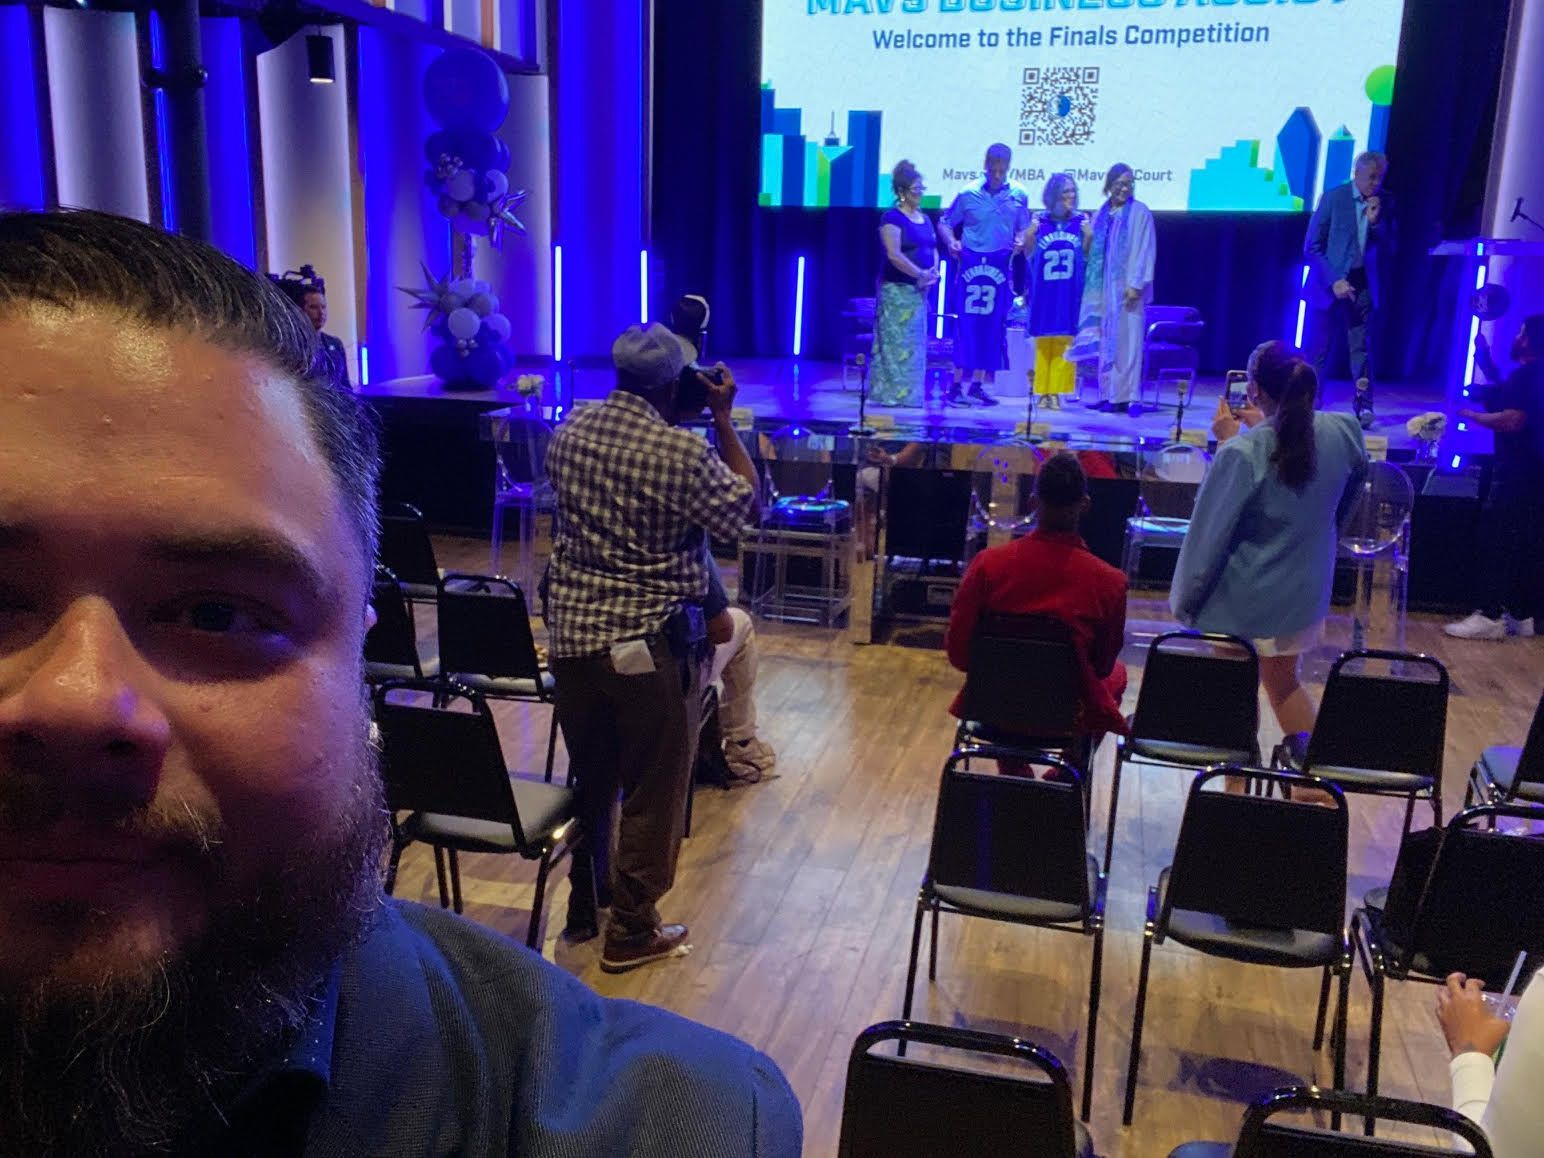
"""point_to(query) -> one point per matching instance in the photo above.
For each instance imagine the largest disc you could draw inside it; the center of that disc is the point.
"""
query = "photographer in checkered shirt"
(637, 498)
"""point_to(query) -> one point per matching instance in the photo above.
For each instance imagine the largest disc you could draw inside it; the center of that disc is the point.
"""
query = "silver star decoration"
(501, 215)
(430, 296)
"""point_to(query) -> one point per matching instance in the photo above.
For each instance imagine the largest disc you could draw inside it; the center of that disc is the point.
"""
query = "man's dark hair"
(1061, 484)
(83, 257)
(1533, 326)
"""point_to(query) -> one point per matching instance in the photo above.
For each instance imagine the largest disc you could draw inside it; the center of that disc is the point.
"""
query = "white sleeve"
(1510, 1110)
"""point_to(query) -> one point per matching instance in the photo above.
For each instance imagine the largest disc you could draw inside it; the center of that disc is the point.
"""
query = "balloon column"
(468, 96)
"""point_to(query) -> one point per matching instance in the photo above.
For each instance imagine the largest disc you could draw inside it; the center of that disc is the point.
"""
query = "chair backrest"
(1394, 721)
(1380, 513)
(1002, 497)
(1261, 1137)
(522, 449)
(485, 628)
(1200, 688)
(443, 759)
(1162, 313)
(1260, 860)
(1530, 763)
(1011, 834)
(1481, 904)
(392, 640)
(1171, 479)
(907, 1107)
(405, 544)
(796, 462)
(1023, 676)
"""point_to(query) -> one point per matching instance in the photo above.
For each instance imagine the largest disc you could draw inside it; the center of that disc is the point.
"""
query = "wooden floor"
(800, 894)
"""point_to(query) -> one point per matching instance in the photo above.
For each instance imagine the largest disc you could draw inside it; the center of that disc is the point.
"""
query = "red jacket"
(1052, 573)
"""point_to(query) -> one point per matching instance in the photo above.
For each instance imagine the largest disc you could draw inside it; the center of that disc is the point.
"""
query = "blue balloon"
(475, 149)
(483, 366)
(464, 88)
(446, 363)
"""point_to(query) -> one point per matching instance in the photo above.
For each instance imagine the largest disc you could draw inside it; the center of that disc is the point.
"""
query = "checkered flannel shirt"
(635, 500)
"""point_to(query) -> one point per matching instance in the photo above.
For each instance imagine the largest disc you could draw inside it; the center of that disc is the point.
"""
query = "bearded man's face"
(190, 815)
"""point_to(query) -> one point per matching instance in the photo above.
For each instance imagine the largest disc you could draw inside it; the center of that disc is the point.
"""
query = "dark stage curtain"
(1241, 270)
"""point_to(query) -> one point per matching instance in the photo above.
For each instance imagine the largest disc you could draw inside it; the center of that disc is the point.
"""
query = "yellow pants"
(1053, 373)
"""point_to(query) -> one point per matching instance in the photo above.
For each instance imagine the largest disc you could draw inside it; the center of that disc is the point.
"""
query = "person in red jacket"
(1052, 572)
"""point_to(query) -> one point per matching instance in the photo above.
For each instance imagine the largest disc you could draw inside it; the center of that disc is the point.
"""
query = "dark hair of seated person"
(1062, 490)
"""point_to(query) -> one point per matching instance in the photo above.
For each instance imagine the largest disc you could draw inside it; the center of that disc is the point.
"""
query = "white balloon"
(461, 186)
(463, 324)
(498, 184)
(463, 288)
(498, 326)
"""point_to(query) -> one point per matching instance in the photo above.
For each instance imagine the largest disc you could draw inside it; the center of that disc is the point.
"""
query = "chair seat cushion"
(1189, 755)
(1202, 1150)
(543, 809)
(986, 903)
(1499, 764)
(421, 592)
(1373, 780)
(1219, 937)
(379, 673)
(512, 687)
(1157, 527)
(1292, 754)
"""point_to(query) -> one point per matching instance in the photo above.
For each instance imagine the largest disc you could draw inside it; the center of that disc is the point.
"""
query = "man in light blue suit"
(1351, 231)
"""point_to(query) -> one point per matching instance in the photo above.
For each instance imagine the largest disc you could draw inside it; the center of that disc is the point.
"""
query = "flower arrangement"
(1427, 427)
(530, 385)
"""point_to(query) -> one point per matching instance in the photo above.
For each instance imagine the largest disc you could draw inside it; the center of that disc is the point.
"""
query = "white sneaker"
(1478, 626)
(1522, 628)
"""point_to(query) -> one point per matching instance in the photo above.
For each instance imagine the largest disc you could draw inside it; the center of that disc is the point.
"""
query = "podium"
(1475, 253)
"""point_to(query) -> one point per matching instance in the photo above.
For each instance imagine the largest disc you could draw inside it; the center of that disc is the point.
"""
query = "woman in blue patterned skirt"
(909, 270)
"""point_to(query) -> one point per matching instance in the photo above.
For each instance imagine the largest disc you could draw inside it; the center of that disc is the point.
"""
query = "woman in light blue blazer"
(1259, 556)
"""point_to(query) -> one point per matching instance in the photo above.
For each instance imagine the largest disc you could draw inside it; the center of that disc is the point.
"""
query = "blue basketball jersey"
(985, 292)
(1056, 275)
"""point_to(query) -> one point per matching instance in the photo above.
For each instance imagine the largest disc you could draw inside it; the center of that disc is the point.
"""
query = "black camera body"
(692, 391)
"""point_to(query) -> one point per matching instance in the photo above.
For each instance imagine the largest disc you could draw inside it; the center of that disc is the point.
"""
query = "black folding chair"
(446, 768)
(1263, 1137)
(1199, 706)
(1470, 901)
(900, 1107)
(407, 549)
(1257, 880)
(486, 644)
(1378, 735)
(1503, 774)
(1013, 848)
(1024, 689)
(391, 646)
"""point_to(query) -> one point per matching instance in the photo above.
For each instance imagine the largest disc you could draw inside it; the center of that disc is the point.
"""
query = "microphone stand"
(861, 427)
(1029, 425)
(1179, 414)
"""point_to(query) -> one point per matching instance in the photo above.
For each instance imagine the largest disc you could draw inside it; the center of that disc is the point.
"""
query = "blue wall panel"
(21, 157)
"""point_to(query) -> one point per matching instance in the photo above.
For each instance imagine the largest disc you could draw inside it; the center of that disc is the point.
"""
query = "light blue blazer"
(1259, 557)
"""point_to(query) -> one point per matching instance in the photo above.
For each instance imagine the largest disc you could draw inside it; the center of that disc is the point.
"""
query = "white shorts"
(1293, 643)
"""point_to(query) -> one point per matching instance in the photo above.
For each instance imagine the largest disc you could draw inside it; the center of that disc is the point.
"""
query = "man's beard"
(138, 1064)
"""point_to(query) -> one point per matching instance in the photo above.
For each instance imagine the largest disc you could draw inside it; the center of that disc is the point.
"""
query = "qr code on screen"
(1057, 106)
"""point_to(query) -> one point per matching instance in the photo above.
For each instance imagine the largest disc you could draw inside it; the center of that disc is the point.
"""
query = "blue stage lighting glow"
(21, 159)
(1457, 458)
(162, 143)
(943, 282)
(364, 364)
(643, 286)
(1302, 309)
(1474, 327)
(798, 312)
(557, 303)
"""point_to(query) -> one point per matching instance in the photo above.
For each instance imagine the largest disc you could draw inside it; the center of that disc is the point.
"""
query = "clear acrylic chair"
(1171, 478)
(1001, 504)
(520, 485)
(1376, 536)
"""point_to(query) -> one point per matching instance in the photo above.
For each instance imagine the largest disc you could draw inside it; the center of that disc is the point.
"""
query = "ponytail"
(1296, 452)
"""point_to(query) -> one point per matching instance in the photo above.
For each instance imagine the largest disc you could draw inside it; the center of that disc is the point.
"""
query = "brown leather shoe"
(623, 954)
